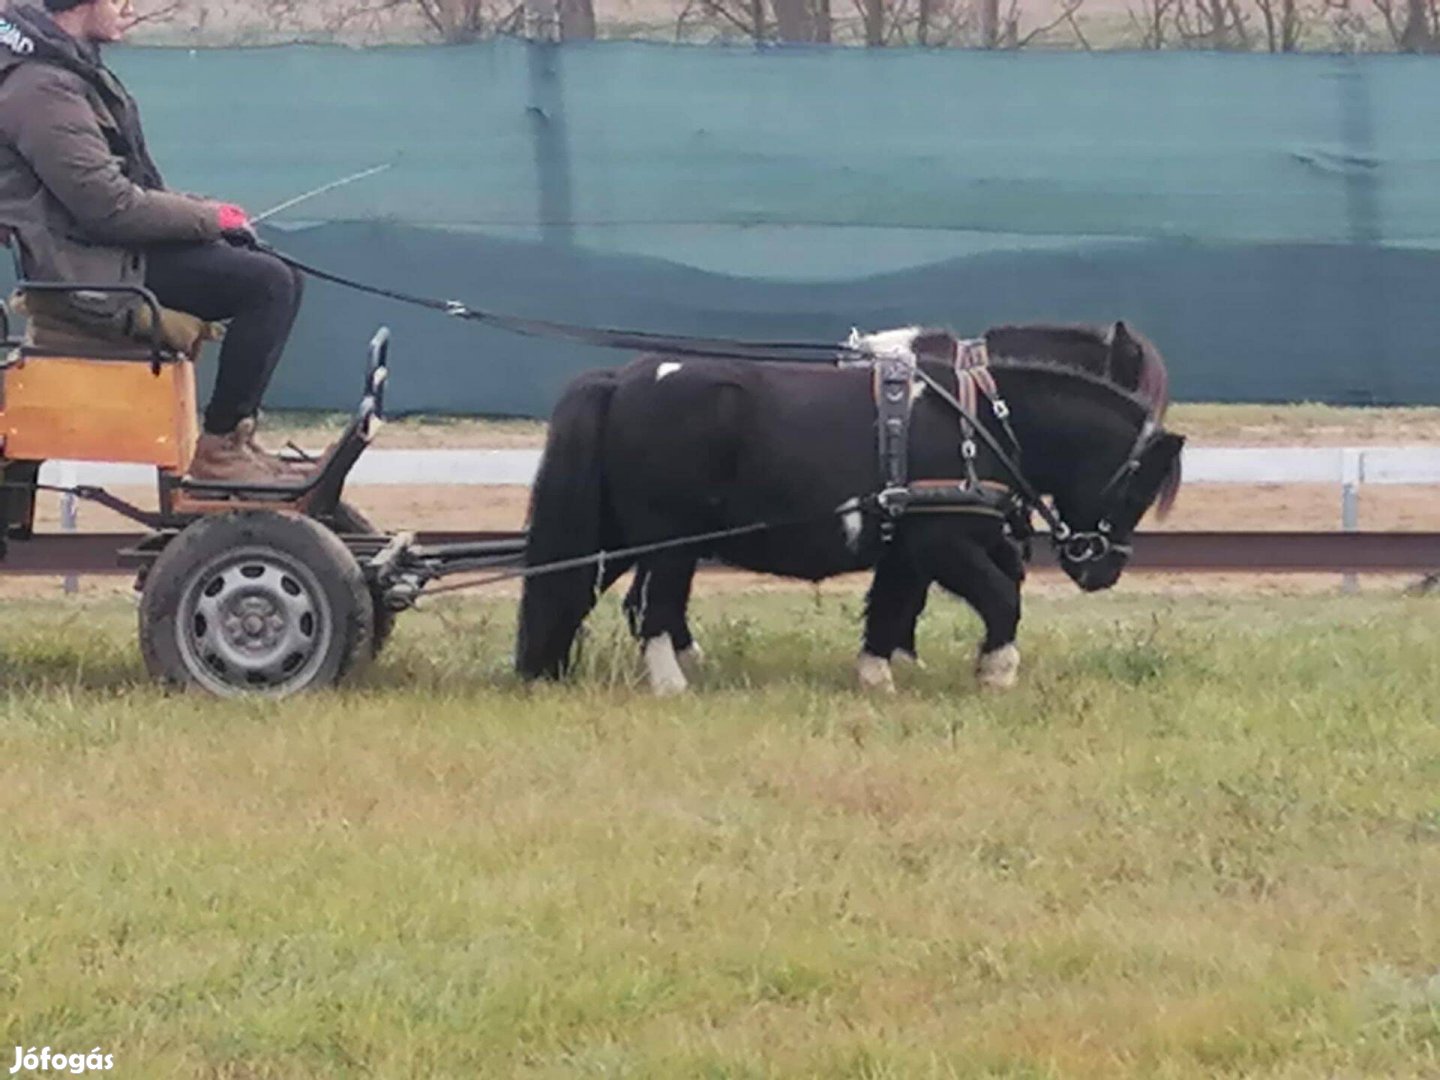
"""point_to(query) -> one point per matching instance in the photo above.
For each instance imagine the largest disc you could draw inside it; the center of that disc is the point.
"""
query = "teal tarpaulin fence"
(1273, 223)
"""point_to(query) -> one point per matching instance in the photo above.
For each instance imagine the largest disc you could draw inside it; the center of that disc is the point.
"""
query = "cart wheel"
(255, 602)
(347, 519)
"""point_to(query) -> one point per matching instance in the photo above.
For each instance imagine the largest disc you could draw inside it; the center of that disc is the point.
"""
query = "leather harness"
(893, 388)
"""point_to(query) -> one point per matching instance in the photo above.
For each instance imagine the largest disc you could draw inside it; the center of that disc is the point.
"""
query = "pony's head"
(1104, 518)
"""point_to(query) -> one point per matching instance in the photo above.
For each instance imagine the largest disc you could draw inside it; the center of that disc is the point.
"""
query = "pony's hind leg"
(655, 607)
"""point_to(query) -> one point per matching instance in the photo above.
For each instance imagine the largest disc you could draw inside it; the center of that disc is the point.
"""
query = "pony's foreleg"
(655, 607)
(968, 570)
(905, 650)
(892, 606)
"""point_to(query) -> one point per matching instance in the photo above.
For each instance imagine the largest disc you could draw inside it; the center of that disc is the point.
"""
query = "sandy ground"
(1204, 425)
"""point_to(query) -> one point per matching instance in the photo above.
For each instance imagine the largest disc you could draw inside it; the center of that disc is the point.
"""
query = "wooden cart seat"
(54, 326)
(58, 399)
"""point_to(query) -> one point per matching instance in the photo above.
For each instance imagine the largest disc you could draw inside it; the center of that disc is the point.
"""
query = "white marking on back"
(664, 369)
(887, 344)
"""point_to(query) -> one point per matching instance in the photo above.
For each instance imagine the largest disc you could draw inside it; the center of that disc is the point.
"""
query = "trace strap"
(600, 558)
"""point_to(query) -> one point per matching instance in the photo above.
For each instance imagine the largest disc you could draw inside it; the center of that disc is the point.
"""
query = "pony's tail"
(567, 508)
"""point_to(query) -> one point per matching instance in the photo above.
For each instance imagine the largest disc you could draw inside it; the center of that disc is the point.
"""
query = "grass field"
(1202, 839)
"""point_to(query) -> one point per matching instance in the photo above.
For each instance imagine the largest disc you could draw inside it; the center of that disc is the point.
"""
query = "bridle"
(1073, 546)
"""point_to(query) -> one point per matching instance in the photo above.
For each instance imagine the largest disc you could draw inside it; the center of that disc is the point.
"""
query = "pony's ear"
(1126, 356)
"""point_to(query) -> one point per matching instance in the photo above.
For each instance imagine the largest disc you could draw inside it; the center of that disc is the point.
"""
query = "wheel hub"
(255, 622)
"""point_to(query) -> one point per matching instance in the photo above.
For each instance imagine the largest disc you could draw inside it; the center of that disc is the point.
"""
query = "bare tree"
(458, 21)
(782, 20)
(577, 20)
(1153, 21)
(731, 17)
(1013, 39)
(1418, 35)
(1283, 24)
(802, 20)
(160, 15)
(989, 18)
(1211, 24)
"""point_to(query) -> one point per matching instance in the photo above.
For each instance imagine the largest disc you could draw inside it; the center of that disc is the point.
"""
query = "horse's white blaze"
(691, 660)
(1000, 668)
(874, 673)
(666, 678)
(664, 369)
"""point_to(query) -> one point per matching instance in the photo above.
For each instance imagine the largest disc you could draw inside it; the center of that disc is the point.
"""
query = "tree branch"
(1071, 7)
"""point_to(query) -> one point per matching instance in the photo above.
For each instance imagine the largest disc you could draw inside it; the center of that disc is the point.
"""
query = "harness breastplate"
(894, 392)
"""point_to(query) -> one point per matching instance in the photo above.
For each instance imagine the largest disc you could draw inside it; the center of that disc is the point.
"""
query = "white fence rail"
(1348, 468)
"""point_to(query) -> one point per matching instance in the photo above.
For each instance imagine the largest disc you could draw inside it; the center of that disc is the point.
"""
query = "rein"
(973, 379)
(605, 337)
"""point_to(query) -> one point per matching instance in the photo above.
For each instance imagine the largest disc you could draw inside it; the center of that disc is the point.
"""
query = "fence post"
(69, 515)
(1352, 474)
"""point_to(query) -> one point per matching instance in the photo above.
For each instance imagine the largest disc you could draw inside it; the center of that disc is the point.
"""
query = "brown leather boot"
(282, 470)
(227, 458)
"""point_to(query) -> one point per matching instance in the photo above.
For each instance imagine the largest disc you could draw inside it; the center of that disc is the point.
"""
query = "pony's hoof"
(668, 688)
(902, 657)
(874, 673)
(999, 669)
(692, 660)
(666, 678)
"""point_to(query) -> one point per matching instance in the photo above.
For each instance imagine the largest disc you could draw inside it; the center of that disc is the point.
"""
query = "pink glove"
(232, 218)
(235, 226)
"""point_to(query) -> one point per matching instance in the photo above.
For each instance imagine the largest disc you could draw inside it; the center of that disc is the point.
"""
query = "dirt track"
(1201, 506)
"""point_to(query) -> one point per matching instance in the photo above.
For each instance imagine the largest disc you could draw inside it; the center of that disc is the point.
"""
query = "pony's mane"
(1134, 400)
(1142, 405)
(1153, 384)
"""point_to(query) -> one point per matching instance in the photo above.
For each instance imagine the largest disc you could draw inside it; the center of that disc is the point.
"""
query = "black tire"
(347, 519)
(255, 603)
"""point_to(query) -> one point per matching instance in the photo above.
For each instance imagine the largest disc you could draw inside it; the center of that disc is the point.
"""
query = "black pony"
(669, 447)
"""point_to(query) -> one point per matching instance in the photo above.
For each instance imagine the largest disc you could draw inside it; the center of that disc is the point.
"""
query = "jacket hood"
(28, 33)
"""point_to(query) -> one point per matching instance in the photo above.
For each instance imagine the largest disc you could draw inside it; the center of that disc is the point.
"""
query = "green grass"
(1201, 839)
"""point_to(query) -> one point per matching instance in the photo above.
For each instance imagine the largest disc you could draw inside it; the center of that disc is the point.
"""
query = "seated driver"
(88, 205)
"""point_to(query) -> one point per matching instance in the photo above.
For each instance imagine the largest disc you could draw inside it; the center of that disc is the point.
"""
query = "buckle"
(1085, 547)
(893, 501)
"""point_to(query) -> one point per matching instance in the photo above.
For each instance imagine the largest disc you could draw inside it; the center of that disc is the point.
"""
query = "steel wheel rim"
(254, 622)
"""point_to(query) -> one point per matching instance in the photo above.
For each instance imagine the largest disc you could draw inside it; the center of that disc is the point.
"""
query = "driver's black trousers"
(255, 291)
